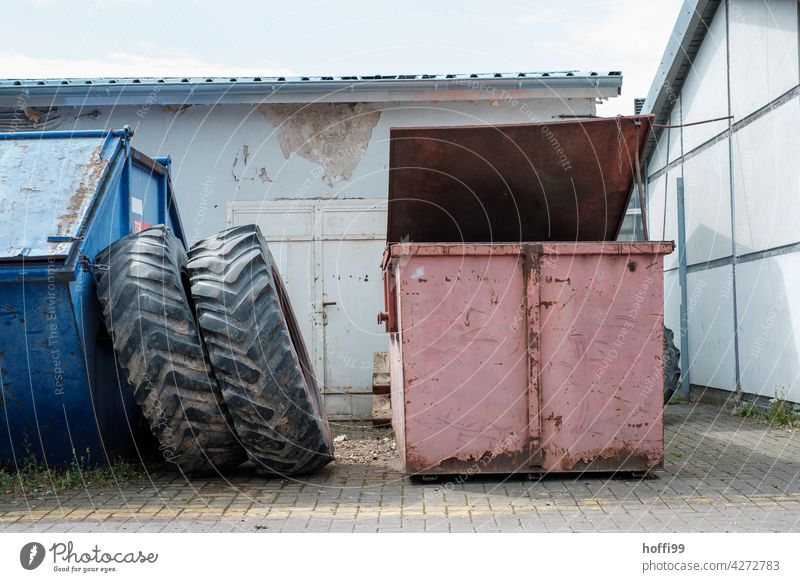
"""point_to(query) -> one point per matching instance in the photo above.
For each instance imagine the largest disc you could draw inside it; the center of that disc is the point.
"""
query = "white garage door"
(329, 254)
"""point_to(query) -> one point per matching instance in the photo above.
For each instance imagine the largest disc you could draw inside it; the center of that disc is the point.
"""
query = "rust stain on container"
(610, 459)
(510, 462)
(91, 173)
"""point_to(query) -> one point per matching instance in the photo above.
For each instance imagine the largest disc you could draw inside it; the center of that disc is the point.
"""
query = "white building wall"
(670, 219)
(675, 148)
(763, 51)
(769, 337)
(710, 311)
(751, 181)
(706, 179)
(656, 200)
(767, 180)
(658, 158)
(705, 91)
(672, 302)
(238, 152)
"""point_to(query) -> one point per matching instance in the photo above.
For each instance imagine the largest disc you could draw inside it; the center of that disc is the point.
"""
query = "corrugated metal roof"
(134, 90)
(687, 36)
(301, 79)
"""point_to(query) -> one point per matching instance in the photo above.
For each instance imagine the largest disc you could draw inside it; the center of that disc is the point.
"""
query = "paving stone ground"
(722, 473)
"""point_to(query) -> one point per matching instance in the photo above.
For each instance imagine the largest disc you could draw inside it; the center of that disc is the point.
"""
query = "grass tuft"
(779, 412)
(35, 478)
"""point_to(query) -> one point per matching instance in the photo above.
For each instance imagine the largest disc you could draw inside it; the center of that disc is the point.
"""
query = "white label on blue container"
(136, 205)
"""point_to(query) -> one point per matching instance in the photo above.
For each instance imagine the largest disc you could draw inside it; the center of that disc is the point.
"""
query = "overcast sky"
(92, 38)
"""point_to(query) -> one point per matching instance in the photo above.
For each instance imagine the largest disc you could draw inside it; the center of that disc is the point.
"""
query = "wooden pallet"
(381, 390)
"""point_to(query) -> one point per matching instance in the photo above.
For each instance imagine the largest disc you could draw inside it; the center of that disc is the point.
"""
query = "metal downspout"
(685, 378)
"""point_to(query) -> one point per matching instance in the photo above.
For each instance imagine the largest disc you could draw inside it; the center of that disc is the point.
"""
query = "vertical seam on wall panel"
(666, 183)
(732, 197)
(318, 297)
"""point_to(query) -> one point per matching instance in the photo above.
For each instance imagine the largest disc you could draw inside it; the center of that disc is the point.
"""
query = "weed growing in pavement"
(35, 478)
(779, 412)
(749, 409)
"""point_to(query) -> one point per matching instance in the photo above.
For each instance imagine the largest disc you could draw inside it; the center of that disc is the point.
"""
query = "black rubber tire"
(672, 366)
(142, 284)
(258, 354)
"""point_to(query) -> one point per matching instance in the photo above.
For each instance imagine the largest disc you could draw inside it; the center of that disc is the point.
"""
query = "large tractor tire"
(672, 365)
(258, 354)
(143, 287)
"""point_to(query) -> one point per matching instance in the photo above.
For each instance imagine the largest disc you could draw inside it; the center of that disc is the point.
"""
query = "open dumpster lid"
(47, 185)
(554, 181)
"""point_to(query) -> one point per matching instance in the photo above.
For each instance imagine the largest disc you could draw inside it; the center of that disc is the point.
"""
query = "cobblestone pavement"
(722, 473)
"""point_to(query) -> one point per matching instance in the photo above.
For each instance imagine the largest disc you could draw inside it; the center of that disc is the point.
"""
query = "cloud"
(542, 15)
(624, 35)
(122, 64)
(634, 35)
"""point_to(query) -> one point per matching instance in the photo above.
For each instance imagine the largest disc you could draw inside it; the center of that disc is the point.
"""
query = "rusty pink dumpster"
(535, 356)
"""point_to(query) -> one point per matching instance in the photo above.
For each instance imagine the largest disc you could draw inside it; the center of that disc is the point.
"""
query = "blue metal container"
(64, 196)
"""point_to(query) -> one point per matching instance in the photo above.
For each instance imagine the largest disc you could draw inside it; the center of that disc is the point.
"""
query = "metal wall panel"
(659, 157)
(670, 220)
(675, 146)
(763, 65)
(705, 92)
(769, 352)
(766, 180)
(672, 303)
(710, 310)
(656, 190)
(763, 51)
(708, 204)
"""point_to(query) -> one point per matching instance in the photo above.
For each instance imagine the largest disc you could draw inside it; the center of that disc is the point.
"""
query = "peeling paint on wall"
(241, 169)
(177, 109)
(262, 174)
(333, 135)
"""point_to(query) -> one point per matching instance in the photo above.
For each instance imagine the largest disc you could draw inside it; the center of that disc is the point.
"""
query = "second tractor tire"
(258, 354)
